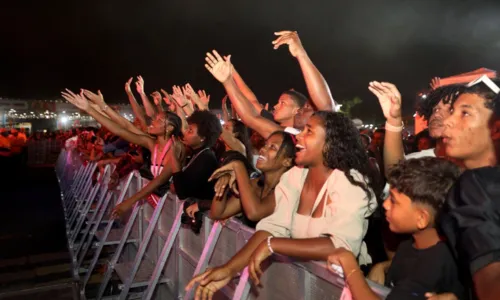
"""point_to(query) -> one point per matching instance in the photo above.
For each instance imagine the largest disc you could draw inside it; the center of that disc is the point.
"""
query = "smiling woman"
(319, 207)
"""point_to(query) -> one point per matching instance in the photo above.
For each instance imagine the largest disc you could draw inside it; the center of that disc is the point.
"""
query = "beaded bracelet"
(393, 128)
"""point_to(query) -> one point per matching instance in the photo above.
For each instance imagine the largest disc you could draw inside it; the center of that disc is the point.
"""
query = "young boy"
(423, 264)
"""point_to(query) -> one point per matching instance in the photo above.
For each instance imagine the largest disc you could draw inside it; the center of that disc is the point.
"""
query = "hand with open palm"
(204, 98)
(389, 99)
(97, 99)
(220, 68)
(77, 100)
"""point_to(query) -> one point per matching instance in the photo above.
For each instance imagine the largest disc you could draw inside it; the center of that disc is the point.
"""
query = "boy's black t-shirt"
(414, 272)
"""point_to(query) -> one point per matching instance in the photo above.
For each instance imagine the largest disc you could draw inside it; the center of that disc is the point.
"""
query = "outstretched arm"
(390, 102)
(316, 84)
(150, 109)
(111, 113)
(82, 103)
(246, 91)
(136, 108)
(221, 70)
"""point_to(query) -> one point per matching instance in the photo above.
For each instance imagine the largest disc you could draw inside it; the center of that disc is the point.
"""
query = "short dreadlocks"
(448, 94)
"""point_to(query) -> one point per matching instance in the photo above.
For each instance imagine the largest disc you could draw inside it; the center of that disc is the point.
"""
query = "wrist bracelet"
(393, 128)
(269, 244)
(350, 273)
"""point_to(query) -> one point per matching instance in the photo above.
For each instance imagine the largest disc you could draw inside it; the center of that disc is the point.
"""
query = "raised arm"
(390, 101)
(221, 70)
(246, 91)
(157, 101)
(316, 84)
(82, 103)
(136, 108)
(150, 109)
(225, 112)
(98, 100)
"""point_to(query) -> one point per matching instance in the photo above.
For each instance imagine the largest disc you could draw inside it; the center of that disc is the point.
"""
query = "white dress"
(344, 217)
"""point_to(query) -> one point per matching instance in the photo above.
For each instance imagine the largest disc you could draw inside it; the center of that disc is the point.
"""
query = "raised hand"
(77, 100)
(191, 95)
(97, 99)
(210, 282)
(156, 97)
(290, 38)
(435, 83)
(389, 99)
(169, 101)
(139, 84)
(204, 98)
(127, 85)
(179, 97)
(220, 68)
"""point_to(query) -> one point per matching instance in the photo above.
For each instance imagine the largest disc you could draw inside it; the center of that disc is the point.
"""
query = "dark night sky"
(50, 45)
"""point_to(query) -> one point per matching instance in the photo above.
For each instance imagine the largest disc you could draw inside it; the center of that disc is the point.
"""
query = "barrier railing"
(154, 257)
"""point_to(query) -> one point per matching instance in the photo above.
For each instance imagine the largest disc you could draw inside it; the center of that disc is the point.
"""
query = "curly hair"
(447, 94)
(344, 150)
(208, 125)
(424, 180)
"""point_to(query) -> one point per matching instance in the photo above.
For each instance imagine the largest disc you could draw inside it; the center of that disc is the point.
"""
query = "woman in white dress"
(320, 206)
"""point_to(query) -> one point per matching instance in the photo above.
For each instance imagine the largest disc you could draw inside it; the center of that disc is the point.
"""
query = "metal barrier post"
(243, 288)
(208, 249)
(162, 259)
(142, 249)
(106, 233)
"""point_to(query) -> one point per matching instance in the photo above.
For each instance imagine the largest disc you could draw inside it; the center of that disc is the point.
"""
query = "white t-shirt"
(423, 153)
(292, 130)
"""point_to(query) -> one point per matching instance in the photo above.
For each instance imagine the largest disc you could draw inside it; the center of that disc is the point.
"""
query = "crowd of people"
(419, 215)
(12, 146)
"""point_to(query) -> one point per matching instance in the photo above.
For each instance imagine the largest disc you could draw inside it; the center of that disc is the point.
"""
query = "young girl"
(256, 196)
(319, 207)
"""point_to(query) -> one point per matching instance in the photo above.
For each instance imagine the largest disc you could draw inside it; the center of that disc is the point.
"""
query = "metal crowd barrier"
(153, 257)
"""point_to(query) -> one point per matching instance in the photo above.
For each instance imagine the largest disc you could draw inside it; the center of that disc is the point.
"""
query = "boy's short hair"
(424, 180)
(297, 97)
